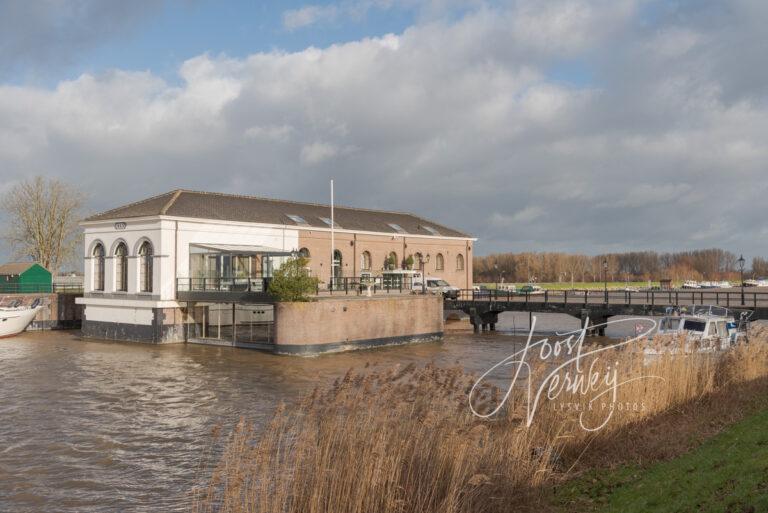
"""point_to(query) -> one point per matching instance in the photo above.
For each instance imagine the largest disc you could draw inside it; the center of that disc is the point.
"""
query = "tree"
(292, 282)
(42, 220)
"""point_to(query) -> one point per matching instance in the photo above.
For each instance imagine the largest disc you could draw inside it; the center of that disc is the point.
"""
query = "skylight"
(431, 230)
(297, 219)
(327, 220)
(397, 227)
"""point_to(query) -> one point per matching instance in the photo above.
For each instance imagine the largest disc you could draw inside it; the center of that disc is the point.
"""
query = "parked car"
(440, 286)
(530, 289)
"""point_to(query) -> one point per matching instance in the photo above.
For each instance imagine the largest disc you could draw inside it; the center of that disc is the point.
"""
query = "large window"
(392, 261)
(460, 262)
(366, 261)
(98, 267)
(439, 262)
(304, 253)
(121, 267)
(145, 266)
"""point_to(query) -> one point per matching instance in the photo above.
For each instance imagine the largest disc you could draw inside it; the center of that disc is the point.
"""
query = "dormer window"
(431, 230)
(297, 219)
(396, 227)
(327, 220)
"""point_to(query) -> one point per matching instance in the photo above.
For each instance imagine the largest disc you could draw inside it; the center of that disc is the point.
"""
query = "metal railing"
(621, 297)
(362, 284)
(227, 284)
(40, 288)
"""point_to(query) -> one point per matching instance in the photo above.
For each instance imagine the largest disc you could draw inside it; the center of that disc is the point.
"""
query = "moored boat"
(698, 329)
(15, 317)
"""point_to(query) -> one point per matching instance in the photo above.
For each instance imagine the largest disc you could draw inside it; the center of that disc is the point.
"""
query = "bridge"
(484, 306)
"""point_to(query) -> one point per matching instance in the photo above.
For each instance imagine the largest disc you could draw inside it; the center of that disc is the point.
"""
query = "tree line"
(700, 265)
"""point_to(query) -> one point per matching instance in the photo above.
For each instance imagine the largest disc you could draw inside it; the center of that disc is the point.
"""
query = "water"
(113, 427)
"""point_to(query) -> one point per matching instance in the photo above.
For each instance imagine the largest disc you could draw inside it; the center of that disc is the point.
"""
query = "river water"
(113, 427)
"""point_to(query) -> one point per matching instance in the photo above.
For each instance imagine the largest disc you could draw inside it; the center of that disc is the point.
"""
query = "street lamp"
(422, 263)
(605, 279)
(741, 263)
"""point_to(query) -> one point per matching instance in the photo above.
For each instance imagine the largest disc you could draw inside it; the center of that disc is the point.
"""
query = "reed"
(405, 440)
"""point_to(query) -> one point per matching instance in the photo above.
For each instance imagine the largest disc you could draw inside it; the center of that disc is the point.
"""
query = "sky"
(566, 125)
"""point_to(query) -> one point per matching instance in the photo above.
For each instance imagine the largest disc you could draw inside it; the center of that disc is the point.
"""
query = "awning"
(240, 249)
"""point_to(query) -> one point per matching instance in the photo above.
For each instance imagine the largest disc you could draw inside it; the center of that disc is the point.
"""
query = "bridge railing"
(728, 299)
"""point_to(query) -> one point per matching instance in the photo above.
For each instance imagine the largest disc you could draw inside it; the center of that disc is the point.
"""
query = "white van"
(437, 285)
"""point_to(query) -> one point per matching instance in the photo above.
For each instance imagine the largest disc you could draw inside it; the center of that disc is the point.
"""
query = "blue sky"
(566, 125)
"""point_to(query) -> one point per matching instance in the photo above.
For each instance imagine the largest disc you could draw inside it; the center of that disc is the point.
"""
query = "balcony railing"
(222, 289)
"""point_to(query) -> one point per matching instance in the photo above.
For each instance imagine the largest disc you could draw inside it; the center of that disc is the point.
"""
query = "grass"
(728, 473)
(582, 285)
(403, 439)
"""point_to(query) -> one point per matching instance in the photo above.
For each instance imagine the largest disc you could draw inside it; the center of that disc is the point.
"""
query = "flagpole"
(333, 240)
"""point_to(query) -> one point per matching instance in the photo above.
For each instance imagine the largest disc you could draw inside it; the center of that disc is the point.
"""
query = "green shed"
(24, 278)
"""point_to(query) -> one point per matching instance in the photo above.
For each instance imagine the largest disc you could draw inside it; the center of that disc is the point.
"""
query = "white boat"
(698, 329)
(15, 317)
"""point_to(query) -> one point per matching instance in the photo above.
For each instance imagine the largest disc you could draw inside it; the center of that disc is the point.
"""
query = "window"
(297, 219)
(366, 261)
(460, 262)
(145, 266)
(396, 227)
(121, 267)
(98, 267)
(327, 220)
(431, 230)
(439, 262)
(417, 258)
(304, 253)
(691, 325)
(391, 262)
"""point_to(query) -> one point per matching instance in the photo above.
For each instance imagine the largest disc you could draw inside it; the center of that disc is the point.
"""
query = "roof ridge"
(145, 200)
(171, 201)
(276, 200)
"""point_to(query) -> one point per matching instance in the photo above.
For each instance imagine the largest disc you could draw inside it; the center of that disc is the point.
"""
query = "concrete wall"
(332, 324)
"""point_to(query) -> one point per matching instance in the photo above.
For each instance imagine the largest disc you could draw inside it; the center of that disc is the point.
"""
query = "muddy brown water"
(111, 427)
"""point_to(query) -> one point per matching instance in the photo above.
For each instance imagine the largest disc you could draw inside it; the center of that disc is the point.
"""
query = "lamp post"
(422, 263)
(741, 263)
(605, 279)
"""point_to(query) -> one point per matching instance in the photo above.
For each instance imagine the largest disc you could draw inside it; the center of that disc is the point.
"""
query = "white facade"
(171, 239)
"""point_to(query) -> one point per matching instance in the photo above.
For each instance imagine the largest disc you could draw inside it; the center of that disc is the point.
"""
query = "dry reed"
(405, 439)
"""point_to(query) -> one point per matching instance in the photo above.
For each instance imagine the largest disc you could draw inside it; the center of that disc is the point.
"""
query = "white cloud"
(457, 120)
(309, 15)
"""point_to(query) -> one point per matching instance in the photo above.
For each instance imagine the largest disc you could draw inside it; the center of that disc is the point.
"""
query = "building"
(190, 264)
(24, 278)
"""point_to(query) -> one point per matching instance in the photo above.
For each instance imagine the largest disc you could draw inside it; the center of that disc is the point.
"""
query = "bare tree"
(42, 220)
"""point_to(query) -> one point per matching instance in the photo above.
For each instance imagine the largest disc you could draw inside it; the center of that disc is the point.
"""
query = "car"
(529, 289)
(439, 286)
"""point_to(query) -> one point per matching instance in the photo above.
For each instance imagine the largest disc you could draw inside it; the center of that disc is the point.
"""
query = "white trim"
(128, 303)
(200, 220)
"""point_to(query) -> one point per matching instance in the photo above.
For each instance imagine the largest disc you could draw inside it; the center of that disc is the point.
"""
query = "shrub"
(292, 282)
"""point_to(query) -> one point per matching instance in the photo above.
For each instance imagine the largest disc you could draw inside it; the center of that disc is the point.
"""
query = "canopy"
(239, 249)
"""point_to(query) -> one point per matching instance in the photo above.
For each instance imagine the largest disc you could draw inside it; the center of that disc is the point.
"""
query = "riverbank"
(727, 472)
(404, 439)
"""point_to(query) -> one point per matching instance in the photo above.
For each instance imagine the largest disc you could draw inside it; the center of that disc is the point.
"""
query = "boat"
(698, 329)
(16, 317)
(690, 284)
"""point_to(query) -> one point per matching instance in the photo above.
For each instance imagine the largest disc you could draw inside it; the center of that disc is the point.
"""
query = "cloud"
(44, 35)
(458, 119)
(309, 15)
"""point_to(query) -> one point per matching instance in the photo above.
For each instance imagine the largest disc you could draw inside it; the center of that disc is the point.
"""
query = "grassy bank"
(405, 439)
(728, 472)
(584, 285)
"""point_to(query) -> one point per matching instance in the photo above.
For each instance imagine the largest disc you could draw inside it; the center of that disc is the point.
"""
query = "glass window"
(297, 219)
(327, 220)
(396, 227)
(439, 262)
(146, 256)
(691, 325)
(304, 253)
(121, 267)
(431, 230)
(460, 262)
(366, 261)
(98, 267)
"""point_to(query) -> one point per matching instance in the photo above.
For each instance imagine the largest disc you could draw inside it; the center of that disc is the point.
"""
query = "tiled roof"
(249, 209)
(15, 268)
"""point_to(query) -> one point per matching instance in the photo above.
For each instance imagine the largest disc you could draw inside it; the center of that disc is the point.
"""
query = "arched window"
(417, 258)
(145, 266)
(304, 253)
(460, 262)
(121, 267)
(392, 261)
(337, 264)
(98, 267)
(366, 261)
(439, 262)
